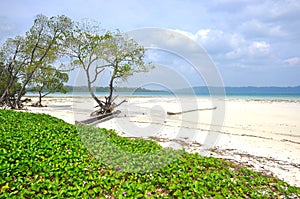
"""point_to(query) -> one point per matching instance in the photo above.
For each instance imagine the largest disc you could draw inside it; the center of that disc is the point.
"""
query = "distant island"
(198, 90)
(106, 89)
(203, 90)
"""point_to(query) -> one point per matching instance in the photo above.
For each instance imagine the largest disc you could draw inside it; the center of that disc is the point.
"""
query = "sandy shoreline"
(262, 134)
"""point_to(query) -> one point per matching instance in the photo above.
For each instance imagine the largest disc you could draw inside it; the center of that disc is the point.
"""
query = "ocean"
(244, 95)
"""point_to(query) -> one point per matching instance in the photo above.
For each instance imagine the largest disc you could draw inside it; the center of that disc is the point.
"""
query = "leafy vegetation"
(42, 157)
(48, 81)
(31, 61)
(23, 56)
(94, 53)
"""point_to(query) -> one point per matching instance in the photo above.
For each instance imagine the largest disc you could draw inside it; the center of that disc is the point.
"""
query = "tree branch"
(97, 73)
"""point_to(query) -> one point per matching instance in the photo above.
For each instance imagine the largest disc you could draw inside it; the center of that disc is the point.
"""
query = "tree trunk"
(6, 98)
(6, 94)
(111, 88)
(22, 90)
(39, 103)
(18, 103)
(91, 90)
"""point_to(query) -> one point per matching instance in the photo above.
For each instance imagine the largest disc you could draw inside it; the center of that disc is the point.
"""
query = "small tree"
(42, 45)
(48, 80)
(95, 52)
(22, 57)
(125, 57)
(14, 87)
(12, 63)
(84, 45)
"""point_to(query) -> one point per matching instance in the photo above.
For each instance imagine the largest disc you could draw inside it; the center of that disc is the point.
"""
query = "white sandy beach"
(261, 134)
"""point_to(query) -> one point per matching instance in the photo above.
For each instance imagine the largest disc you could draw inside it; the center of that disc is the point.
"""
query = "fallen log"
(98, 119)
(201, 109)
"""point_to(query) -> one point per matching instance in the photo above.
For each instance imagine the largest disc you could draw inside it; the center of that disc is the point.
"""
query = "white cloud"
(153, 56)
(214, 40)
(259, 48)
(255, 28)
(202, 34)
(236, 53)
(251, 53)
(269, 9)
(229, 45)
(293, 61)
(235, 33)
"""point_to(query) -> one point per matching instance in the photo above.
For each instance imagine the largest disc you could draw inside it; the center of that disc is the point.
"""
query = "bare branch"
(97, 72)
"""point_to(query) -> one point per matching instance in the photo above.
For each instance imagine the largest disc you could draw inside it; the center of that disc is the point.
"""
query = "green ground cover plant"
(44, 157)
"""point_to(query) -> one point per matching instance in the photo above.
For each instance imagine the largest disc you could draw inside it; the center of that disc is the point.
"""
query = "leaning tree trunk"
(111, 89)
(102, 105)
(6, 96)
(18, 102)
(39, 103)
(108, 102)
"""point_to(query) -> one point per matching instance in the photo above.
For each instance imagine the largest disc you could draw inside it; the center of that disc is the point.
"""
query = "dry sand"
(261, 134)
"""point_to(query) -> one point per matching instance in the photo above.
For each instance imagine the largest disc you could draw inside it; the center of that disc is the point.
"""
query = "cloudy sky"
(251, 42)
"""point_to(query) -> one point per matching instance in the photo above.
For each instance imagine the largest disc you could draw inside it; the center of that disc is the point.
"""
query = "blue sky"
(251, 42)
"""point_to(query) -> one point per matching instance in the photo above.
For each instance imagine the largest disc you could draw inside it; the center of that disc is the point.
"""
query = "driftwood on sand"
(98, 119)
(106, 108)
(201, 109)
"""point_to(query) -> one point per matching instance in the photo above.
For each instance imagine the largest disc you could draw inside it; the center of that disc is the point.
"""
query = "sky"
(250, 42)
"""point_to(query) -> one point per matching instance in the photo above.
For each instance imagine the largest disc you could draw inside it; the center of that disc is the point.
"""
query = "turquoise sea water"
(279, 96)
